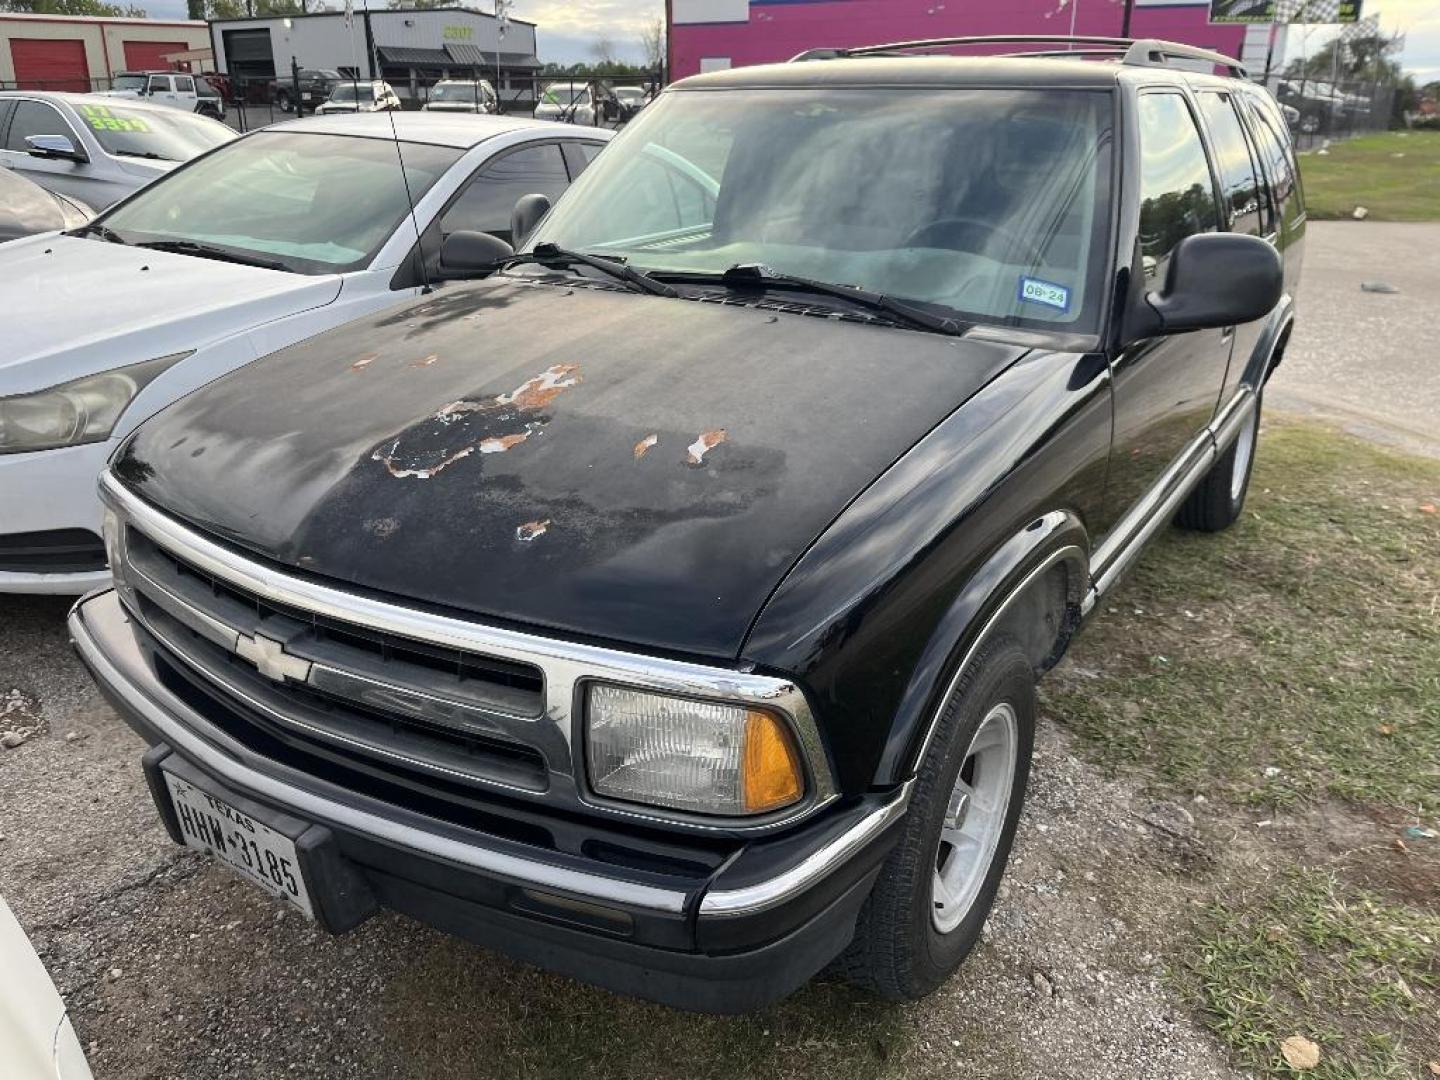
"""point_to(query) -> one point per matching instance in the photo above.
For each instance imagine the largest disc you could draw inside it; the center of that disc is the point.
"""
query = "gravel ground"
(172, 967)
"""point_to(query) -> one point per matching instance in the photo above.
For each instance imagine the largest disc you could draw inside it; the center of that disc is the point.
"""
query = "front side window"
(988, 204)
(129, 82)
(1177, 193)
(160, 84)
(36, 118)
(486, 203)
(163, 134)
(1238, 184)
(317, 204)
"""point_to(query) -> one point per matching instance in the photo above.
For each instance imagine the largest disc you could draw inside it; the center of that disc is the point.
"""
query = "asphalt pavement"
(1367, 360)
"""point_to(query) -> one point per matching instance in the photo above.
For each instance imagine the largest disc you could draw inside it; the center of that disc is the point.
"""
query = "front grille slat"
(416, 706)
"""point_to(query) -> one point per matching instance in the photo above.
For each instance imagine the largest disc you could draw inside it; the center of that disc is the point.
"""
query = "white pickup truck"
(173, 88)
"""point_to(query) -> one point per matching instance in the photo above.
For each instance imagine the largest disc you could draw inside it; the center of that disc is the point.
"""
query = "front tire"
(283, 102)
(1217, 501)
(938, 884)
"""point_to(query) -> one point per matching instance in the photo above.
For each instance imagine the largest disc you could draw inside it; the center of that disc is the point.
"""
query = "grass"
(1296, 657)
(1338, 966)
(1394, 175)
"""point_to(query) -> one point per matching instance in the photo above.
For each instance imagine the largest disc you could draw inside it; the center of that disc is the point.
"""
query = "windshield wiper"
(759, 276)
(140, 154)
(205, 251)
(550, 255)
(102, 231)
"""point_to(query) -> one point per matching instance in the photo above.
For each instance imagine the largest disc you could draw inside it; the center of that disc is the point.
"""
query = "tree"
(1371, 58)
(652, 44)
(603, 50)
(92, 8)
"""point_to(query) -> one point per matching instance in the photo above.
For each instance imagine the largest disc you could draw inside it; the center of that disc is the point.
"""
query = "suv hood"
(76, 306)
(597, 462)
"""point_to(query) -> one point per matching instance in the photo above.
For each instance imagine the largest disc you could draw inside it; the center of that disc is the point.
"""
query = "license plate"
(252, 849)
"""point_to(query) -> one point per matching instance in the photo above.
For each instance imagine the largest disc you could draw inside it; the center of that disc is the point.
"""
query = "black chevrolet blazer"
(665, 606)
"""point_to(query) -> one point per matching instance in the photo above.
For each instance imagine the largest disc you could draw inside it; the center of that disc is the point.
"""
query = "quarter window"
(1238, 186)
(485, 205)
(1177, 193)
(1275, 150)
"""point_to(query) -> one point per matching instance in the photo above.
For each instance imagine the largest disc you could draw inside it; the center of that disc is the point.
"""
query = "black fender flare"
(1265, 357)
(1055, 538)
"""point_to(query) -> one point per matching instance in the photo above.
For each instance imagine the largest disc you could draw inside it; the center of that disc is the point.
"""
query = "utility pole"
(1125, 23)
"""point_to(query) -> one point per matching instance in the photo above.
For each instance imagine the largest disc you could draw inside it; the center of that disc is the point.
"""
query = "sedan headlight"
(699, 756)
(83, 411)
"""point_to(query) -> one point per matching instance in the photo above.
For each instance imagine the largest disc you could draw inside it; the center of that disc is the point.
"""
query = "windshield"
(454, 92)
(318, 204)
(563, 93)
(349, 91)
(167, 134)
(986, 203)
(130, 82)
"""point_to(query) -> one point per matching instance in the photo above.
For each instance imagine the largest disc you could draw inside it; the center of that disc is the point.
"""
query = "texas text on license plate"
(253, 850)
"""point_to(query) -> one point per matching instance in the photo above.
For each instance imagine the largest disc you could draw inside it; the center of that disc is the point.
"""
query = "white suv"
(173, 88)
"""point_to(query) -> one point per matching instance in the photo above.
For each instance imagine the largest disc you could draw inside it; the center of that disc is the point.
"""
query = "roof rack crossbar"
(1136, 52)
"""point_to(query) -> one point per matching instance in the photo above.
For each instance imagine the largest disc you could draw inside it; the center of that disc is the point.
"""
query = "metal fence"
(1324, 109)
(250, 103)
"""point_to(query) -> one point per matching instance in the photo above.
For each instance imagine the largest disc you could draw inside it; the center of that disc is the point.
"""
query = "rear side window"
(184, 84)
(1177, 193)
(1239, 186)
(1275, 149)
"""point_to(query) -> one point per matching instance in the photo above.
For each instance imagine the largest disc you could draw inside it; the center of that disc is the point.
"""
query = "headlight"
(83, 411)
(704, 757)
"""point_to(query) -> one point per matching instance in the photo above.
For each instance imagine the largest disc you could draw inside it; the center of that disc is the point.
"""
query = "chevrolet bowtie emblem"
(271, 659)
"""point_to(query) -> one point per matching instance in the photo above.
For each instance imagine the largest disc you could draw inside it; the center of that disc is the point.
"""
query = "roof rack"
(1136, 52)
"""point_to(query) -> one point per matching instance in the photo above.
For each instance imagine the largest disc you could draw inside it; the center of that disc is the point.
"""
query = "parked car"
(272, 238)
(631, 100)
(26, 208)
(95, 148)
(38, 1039)
(589, 103)
(352, 97)
(462, 95)
(210, 94)
(666, 608)
(316, 86)
(173, 88)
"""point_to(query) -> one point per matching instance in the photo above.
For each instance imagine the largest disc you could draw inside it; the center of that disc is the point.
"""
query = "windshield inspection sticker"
(1035, 291)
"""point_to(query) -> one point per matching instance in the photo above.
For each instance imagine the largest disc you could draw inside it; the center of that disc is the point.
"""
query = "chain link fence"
(1321, 109)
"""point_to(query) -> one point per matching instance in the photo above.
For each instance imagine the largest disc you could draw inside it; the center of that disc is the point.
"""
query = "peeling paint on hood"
(299, 454)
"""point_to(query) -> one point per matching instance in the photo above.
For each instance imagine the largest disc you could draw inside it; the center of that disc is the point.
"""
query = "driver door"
(1165, 388)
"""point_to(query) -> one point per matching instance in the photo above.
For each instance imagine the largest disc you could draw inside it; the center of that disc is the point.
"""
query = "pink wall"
(778, 29)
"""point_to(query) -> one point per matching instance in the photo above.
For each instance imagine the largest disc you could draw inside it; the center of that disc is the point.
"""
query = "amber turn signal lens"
(772, 774)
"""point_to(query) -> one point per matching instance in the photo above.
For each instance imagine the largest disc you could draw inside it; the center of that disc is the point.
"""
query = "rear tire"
(1216, 503)
(909, 936)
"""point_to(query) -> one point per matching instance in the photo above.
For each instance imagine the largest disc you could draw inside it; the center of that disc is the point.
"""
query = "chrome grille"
(416, 705)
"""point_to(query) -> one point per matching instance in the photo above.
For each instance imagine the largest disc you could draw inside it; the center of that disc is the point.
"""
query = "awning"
(406, 57)
(474, 56)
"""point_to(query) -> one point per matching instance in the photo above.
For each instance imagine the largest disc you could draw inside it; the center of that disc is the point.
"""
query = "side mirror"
(529, 209)
(469, 254)
(1214, 280)
(54, 148)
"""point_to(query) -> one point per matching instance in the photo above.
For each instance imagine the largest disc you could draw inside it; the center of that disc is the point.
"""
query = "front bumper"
(729, 938)
(52, 491)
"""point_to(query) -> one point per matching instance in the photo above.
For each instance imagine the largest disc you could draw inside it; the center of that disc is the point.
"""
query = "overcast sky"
(568, 28)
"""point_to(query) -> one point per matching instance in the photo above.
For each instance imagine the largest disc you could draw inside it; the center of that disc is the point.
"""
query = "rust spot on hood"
(532, 530)
(461, 428)
(707, 441)
(643, 446)
(364, 361)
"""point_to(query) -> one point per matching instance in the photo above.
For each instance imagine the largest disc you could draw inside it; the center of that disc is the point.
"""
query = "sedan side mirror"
(529, 209)
(1214, 280)
(469, 254)
(53, 147)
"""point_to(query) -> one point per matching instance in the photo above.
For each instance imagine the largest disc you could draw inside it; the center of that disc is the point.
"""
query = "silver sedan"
(98, 149)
